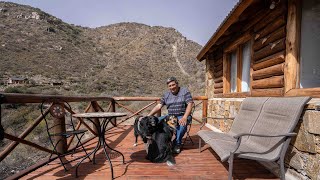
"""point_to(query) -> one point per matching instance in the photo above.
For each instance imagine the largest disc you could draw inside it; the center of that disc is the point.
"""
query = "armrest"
(204, 120)
(239, 137)
(263, 135)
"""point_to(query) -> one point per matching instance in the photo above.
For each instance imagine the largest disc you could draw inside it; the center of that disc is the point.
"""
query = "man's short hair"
(170, 79)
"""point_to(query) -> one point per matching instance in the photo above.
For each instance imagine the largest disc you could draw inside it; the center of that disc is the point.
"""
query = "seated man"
(179, 103)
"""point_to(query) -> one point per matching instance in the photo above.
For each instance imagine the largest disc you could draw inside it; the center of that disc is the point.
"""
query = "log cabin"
(269, 48)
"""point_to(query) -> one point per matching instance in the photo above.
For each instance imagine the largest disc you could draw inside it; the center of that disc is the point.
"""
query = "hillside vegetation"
(122, 59)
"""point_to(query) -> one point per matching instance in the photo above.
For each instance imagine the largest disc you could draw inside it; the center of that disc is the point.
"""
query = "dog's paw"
(170, 163)
(135, 144)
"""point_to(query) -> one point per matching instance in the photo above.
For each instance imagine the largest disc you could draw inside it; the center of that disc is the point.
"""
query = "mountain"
(121, 59)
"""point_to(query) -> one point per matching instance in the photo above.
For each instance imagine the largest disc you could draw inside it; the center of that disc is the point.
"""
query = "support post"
(158, 114)
(93, 108)
(204, 108)
(113, 109)
(59, 127)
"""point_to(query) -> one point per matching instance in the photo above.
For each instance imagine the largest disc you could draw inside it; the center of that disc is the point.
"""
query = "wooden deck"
(190, 163)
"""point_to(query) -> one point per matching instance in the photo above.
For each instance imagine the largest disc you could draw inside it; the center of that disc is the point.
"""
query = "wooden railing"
(93, 106)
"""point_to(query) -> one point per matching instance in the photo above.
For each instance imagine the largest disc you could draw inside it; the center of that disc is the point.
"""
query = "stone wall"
(303, 156)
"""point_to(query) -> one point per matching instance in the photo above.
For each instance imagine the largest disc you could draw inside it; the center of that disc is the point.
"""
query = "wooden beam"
(275, 70)
(232, 18)
(59, 126)
(39, 98)
(271, 16)
(218, 91)
(272, 82)
(236, 95)
(218, 62)
(267, 92)
(218, 74)
(313, 92)
(274, 59)
(136, 98)
(292, 46)
(278, 34)
(226, 74)
(218, 85)
(255, 19)
(16, 139)
(218, 80)
(242, 39)
(218, 68)
(271, 28)
(10, 147)
(273, 48)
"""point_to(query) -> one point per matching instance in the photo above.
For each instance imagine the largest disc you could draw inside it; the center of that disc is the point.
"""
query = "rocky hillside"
(118, 60)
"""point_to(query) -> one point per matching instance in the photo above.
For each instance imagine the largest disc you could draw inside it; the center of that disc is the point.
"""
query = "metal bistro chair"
(188, 137)
(57, 111)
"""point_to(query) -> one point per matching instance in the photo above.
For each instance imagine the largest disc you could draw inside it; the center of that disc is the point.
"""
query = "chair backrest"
(56, 110)
(249, 112)
(279, 115)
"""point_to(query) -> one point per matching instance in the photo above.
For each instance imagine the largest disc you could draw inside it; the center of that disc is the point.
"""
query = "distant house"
(56, 83)
(268, 48)
(17, 80)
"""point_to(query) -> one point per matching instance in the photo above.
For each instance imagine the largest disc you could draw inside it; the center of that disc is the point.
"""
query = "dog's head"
(172, 121)
(148, 125)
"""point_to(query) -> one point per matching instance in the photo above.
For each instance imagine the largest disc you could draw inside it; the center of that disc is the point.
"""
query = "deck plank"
(190, 164)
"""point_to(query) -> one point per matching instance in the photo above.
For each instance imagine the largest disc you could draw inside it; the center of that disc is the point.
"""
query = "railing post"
(113, 109)
(204, 108)
(94, 108)
(158, 114)
(59, 127)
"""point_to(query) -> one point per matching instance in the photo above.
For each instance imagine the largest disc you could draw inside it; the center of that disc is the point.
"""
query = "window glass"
(310, 43)
(233, 71)
(246, 56)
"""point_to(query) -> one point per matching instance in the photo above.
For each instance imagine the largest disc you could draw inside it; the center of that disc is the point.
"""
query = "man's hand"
(183, 121)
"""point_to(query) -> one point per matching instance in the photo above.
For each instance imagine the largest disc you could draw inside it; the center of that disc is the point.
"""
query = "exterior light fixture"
(273, 4)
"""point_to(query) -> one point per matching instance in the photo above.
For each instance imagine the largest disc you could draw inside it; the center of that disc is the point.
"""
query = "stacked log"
(218, 73)
(269, 55)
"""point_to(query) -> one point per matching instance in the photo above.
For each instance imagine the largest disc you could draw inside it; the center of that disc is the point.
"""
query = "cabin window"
(310, 43)
(233, 71)
(246, 58)
(239, 60)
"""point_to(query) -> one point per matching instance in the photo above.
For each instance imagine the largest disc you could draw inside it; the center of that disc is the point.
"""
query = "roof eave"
(228, 21)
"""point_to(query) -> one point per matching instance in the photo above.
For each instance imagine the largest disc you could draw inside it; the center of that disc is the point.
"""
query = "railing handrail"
(39, 98)
(152, 98)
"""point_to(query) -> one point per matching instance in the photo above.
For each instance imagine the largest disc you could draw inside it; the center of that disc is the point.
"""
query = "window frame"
(292, 59)
(236, 46)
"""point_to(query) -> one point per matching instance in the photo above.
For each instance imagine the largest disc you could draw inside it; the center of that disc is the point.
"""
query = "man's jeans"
(181, 130)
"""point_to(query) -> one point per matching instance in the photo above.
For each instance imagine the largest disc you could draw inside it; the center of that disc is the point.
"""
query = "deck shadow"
(100, 159)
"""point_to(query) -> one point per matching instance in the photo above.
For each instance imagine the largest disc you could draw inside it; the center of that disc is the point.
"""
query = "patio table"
(104, 119)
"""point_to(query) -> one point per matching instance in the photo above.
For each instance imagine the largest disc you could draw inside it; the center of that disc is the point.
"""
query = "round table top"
(99, 115)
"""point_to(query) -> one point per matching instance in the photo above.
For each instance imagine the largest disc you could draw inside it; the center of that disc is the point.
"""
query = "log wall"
(269, 53)
(268, 34)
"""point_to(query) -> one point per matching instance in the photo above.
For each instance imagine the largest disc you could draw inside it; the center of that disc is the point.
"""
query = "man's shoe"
(177, 149)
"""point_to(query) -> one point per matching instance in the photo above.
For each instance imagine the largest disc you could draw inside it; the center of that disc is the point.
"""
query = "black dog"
(145, 127)
(160, 148)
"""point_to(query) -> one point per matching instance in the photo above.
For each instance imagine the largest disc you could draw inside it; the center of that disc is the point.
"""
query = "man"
(179, 103)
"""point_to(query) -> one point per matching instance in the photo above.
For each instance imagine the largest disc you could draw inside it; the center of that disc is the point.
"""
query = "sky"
(195, 19)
